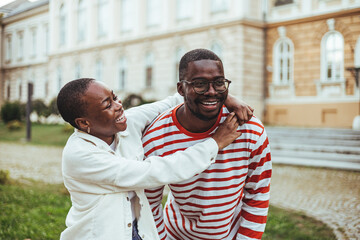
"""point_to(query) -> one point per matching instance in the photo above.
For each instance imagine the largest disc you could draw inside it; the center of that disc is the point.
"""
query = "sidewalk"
(332, 196)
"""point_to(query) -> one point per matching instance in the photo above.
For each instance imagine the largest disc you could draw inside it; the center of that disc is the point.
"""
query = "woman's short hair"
(70, 102)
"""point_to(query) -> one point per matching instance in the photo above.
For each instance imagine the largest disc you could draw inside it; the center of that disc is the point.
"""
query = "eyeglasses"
(202, 86)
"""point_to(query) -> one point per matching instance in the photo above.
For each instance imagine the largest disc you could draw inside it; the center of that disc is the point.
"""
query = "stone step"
(354, 166)
(317, 155)
(315, 148)
(314, 141)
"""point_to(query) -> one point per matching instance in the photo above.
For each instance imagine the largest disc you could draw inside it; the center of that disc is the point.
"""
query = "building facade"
(311, 48)
(134, 46)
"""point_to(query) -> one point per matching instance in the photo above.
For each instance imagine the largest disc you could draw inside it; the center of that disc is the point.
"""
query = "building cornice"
(343, 13)
(155, 37)
(26, 14)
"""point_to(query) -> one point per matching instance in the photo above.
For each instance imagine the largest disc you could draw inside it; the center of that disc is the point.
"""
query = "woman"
(103, 167)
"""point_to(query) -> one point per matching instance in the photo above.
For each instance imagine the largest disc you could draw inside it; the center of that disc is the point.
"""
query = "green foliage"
(68, 128)
(52, 107)
(40, 108)
(134, 100)
(32, 211)
(4, 176)
(11, 111)
(14, 125)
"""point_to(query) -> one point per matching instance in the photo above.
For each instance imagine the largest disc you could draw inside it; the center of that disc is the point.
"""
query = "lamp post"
(28, 112)
(356, 73)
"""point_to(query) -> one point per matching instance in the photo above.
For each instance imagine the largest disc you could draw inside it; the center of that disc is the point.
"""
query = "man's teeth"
(209, 103)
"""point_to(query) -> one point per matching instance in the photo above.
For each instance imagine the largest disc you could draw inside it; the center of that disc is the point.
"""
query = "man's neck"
(192, 123)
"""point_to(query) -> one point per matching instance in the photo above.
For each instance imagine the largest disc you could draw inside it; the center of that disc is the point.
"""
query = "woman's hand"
(227, 131)
(242, 110)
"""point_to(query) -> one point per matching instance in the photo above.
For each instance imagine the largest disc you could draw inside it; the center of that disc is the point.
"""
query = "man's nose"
(211, 90)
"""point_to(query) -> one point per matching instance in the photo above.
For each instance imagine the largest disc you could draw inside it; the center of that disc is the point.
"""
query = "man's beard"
(201, 116)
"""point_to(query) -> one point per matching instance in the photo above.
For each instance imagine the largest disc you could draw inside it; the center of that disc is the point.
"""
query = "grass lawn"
(41, 134)
(35, 210)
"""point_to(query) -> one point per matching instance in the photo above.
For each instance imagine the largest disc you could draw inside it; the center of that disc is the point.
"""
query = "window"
(62, 26)
(122, 73)
(332, 56)
(21, 45)
(77, 70)
(19, 89)
(178, 55)
(8, 48)
(46, 49)
(98, 70)
(149, 69)
(59, 78)
(282, 2)
(184, 9)
(33, 42)
(8, 90)
(153, 12)
(126, 15)
(81, 23)
(217, 49)
(283, 61)
(357, 53)
(103, 14)
(219, 5)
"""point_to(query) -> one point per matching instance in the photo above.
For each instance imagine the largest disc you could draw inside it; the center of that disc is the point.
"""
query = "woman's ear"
(180, 88)
(83, 124)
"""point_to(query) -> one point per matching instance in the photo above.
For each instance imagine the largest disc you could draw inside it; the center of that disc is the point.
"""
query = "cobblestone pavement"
(332, 196)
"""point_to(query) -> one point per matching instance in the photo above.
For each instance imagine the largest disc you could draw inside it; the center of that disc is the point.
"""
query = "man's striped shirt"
(229, 200)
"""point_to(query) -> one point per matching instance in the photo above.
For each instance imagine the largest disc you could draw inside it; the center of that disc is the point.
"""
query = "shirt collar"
(95, 140)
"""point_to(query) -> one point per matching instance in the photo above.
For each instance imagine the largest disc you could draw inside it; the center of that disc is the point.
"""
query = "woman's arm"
(242, 110)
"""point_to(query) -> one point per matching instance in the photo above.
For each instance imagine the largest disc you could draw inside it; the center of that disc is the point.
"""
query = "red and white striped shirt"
(229, 200)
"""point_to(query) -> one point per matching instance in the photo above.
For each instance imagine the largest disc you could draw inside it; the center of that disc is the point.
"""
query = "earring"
(88, 130)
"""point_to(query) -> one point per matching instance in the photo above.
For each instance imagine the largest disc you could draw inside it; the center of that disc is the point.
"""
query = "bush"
(14, 125)
(11, 111)
(134, 100)
(4, 177)
(68, 128)
(40, 108)
(52, 108)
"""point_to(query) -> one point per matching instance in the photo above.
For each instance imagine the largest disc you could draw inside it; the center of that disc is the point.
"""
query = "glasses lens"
(220, 85)
(200, 86)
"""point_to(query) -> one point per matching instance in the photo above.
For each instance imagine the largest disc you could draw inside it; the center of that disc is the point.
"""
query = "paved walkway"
(332, 196)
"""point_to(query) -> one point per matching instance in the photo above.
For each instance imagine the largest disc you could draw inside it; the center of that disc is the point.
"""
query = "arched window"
(81, 23)
(283, 59)
(216, 48)
(122, 73)
(178, 55)
(332, 55)
(77, 70)
(59, 78)
(103, 14)
(149, 60)
(62, 26)
(357, 53)
(154, 12)
(98, 70)
(127, 15)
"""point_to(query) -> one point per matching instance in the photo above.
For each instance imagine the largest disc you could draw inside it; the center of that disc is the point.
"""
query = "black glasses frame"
(227, 84)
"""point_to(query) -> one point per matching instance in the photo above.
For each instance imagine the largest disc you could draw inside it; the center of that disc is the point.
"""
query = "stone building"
(135, 45)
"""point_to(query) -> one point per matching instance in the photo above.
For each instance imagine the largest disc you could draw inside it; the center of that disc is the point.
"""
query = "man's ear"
(82, 123)
(180, 88)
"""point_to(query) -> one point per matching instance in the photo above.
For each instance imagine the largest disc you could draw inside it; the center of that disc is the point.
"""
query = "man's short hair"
(195, 55)
(70, 102)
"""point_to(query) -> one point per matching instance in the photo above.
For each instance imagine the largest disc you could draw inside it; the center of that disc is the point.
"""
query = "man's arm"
(155, 197)
(242, 110)
(256, 191)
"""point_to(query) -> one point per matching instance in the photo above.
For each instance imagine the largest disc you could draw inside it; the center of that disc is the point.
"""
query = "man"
(230, 199)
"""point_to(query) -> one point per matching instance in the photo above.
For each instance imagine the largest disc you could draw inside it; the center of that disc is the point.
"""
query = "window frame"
(280, 67)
